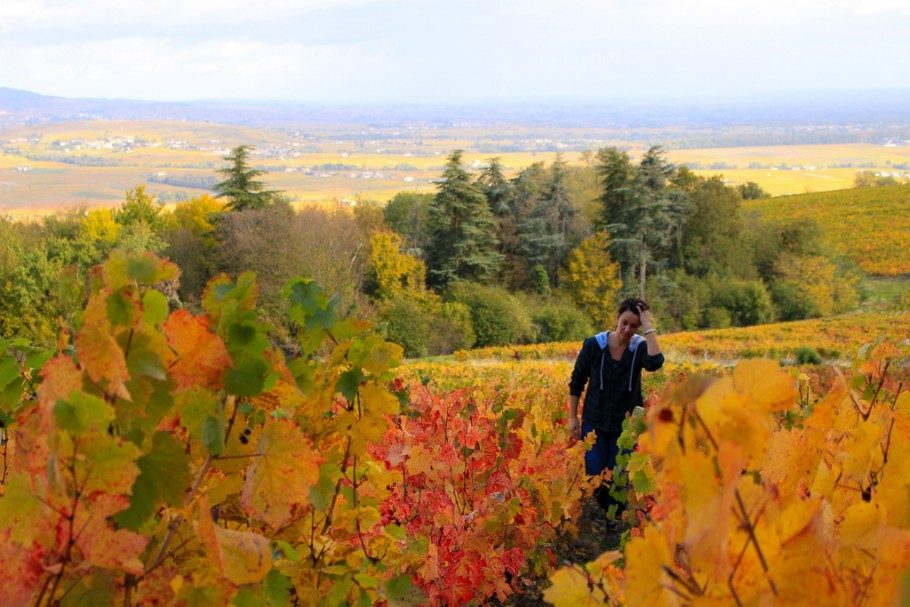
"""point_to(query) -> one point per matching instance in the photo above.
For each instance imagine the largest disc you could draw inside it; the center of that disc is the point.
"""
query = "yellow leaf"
(281, 475)
(796, 517)
(646, 582)
(242, 557)
(861, 525)
(770, 388)
(569, 589)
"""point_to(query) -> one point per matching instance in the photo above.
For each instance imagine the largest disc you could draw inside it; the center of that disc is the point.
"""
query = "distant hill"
(872, 117)
(869, 225)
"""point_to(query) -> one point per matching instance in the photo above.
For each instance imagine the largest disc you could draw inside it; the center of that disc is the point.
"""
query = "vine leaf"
(201, 355)
(99, 352)
(282, 474)
(103, 545)
(163, 476)
(242, 557)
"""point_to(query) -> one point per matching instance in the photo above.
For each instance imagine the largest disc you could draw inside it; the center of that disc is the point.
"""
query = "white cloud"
(149, 68)
(32, 17)
(449, 50)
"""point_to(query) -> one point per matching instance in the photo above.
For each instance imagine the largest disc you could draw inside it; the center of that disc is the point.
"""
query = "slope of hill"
(869, 225)
(833, 338)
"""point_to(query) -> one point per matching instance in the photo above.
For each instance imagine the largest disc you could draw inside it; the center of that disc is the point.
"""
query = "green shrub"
(560, 322)
(407, 323)
(807, 356)
(497, 316)
(748, 302)
(717, 318)
(426, 325)
(791, 302)
(451, 328)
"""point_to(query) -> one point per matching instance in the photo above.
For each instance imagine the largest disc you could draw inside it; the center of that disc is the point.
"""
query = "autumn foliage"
(163, 457)
(747, 505)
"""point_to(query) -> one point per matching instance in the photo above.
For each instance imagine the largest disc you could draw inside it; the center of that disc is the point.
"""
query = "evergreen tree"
(463, 242)
(617, 177)
(496, 188)
(528, 187)
(547, 235)
(646, 211)
(240, 184)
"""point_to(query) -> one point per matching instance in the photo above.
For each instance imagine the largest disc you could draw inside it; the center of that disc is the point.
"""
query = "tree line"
(487, 259)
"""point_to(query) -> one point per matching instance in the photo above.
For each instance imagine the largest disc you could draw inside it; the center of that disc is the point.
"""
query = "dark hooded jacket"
(614, 387)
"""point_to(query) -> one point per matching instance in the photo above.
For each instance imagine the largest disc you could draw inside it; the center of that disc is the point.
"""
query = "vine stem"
(71, 527)
(194, 489)
(744, 516)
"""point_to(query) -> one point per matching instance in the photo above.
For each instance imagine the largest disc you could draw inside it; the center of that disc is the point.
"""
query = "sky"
(453, 51)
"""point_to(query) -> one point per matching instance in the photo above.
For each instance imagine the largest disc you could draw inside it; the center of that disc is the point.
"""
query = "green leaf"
(247, 597)
(36, 360)
(164, 476)
(120, 309)
(278, 588)
(82, 413)
(107, 463)
(154, 307)
(248, 378)
(642, 483)
(20, 510)
(213, 429)
(289, 552)
(9, 371)
(321, 493)
(195, 405)
(401, 592)
(336, 570)
(349, 382)
(396, 532)
(366, 581)
(338, 593)
(147, 363)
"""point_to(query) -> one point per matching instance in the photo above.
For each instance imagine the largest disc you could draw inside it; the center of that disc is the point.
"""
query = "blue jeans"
(599, 458)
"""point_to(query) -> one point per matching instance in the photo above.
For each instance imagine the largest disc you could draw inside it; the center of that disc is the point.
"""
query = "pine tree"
(642, 210)
(496, 188)
(463, 240)
(617, 176)
(240, 184)
(547, 234)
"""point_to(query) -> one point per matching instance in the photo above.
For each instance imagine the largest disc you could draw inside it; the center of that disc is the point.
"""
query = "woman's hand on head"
(644, 313)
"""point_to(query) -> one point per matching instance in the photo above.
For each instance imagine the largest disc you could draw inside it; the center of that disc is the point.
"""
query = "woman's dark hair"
(633, 305)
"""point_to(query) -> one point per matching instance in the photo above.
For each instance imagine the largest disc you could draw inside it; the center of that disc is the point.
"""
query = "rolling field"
(47, 167)
(869, 225)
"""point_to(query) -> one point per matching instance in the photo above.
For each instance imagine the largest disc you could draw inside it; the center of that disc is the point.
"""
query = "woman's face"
(627, 324)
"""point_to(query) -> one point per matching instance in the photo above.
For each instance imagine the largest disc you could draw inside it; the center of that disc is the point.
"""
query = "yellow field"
(342, 161)
(813, 168)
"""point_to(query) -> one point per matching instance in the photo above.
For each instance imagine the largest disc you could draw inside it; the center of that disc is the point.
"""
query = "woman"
(611, 364)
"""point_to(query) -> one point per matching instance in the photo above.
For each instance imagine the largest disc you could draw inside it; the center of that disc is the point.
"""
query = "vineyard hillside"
(831, 339)
(869, 225)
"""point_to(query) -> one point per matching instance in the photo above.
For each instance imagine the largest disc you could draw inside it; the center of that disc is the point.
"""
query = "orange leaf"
(99, 353)
(201, 355)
